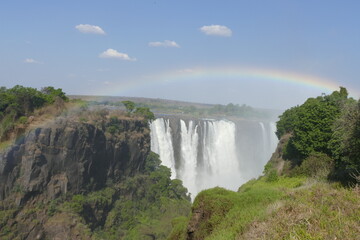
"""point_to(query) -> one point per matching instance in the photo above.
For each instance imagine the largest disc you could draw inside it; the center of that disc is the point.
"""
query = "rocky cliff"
(63, 158)
(67, 156)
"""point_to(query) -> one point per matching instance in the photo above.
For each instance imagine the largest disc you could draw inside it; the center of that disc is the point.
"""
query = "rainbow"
(233, 73)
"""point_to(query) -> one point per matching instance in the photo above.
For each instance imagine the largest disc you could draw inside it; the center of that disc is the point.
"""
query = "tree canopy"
(140, 111)
(328, 124)
(19, 102)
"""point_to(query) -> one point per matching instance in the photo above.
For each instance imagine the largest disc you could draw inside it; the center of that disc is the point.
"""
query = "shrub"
(317, 165)
(23, 120)
(272, 176)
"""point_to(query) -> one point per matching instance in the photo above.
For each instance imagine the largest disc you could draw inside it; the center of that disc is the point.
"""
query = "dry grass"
(319, 212)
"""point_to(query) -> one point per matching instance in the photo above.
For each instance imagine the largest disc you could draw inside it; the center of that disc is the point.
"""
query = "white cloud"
(166, 43)
(87, 28)
(217, 30)
(112, 53)
(30, 60)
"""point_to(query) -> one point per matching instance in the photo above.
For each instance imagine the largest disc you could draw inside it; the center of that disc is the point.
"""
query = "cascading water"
(219, 156)
(209, 153)
(189, 152)
(161, 143)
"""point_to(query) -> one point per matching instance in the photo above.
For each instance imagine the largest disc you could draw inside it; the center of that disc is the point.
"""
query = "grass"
(5, 144)
(319, 211)
(286, 208)
(226, 214)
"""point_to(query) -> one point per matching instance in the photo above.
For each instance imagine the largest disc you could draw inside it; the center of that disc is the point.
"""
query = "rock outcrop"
(65, 157)
(277, 160)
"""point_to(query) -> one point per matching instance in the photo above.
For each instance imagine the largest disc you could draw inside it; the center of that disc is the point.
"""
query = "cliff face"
(73, 157)
(64, 158)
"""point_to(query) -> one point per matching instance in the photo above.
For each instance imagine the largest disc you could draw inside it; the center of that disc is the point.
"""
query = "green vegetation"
(18, 103)
(227, 214)
(197, 110)
(327, 125)
(138, 111)
(130, 106)
(315, 211)
(138, 207)
(288, 208)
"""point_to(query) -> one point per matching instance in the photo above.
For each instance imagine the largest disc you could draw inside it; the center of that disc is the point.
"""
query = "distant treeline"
(230, 109)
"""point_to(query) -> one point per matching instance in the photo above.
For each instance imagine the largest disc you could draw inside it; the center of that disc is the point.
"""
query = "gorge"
(205, 153)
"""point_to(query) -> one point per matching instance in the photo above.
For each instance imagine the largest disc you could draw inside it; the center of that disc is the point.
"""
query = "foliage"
(152, 162)
(77, 203)
(312, 128)
(317, 165)
(289, 208)
(272, 176)
(139, 207)
(23, 120)
(345, 143)
(145, 112)
(226, 214)
(287, 121)
(138, 111)
(328, 124)
(51, 94)
(199, 110)
(311, 124)
(129, 105)
(179, 225)
(19, 102)
(115, 125)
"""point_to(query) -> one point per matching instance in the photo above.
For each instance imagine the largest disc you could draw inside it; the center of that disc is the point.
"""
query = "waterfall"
(189, 152)
(209, 153)
(265, 139)
(161, 143)
(219, 156)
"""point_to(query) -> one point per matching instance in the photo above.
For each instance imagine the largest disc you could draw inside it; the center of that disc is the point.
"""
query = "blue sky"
(103, 47)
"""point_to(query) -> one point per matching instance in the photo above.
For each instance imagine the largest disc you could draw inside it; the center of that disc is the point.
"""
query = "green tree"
(311, 125)
(345, 142)
(129, 105)
(287, 121)
(51, 94)
(145, 112)
(21, 101)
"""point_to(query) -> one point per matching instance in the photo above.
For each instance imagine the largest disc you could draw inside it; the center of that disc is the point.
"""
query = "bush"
(272, 176)
(23, 120)
(77, 203)
(317, 165)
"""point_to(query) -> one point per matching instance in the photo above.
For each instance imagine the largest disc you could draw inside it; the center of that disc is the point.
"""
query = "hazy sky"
(183, 49)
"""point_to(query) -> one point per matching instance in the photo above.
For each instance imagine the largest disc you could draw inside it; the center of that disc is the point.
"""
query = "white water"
(161, 143)
(209, 153)
(189, 147)
(219, 156)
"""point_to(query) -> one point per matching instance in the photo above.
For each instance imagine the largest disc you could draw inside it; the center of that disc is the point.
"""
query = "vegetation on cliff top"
(197, 110)
(18, 103)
